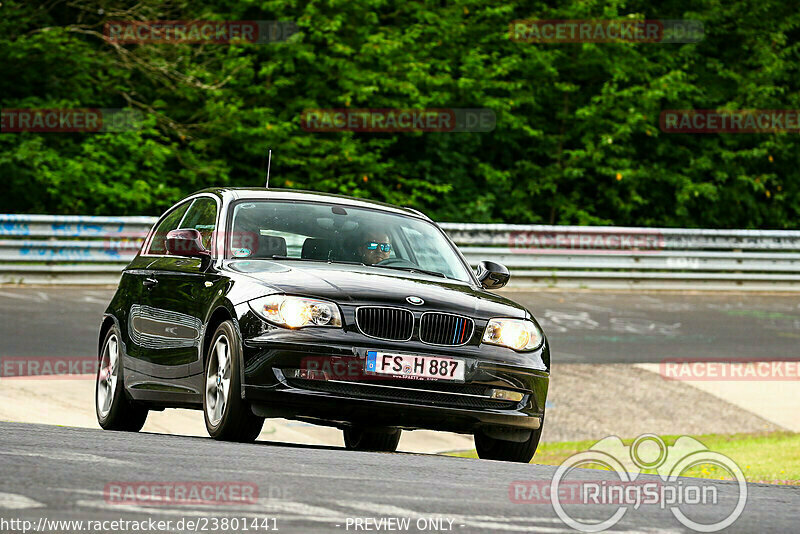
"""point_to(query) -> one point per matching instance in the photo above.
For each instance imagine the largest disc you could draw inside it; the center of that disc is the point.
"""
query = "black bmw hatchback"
(251, 303)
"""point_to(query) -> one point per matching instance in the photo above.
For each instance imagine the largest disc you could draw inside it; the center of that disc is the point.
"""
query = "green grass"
(772, 457)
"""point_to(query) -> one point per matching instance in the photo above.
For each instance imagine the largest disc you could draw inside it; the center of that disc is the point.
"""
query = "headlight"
(517, 334)
(297, 312)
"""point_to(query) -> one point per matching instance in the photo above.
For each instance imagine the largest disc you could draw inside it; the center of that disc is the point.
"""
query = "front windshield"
(308, 231)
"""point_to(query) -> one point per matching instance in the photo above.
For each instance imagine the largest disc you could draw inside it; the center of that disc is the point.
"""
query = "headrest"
(316, 249)
(269, 245)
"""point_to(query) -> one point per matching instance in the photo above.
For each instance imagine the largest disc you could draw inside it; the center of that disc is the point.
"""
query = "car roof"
(237, 193)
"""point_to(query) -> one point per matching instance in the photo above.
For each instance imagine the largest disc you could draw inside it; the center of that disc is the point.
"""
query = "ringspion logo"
(688, 499)
(588, 492)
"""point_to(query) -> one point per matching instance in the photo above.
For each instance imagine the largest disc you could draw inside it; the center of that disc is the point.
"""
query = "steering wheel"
(396, 261)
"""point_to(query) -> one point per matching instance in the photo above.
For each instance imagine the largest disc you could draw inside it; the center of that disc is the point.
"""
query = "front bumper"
(317, 374)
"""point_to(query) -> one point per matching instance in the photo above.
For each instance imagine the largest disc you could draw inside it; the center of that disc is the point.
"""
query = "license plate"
(415, 367)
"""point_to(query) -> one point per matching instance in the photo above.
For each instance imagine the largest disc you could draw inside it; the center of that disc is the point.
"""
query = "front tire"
(372, 439)
(227, 415)
(508, 451)
(114, 411)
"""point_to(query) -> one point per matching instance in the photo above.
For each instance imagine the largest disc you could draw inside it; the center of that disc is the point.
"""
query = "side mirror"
(492, 275)
(188, 243)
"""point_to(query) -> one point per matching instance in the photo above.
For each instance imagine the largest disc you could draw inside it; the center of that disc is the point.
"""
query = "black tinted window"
(170, 222)
(202, 216)
(315, 231)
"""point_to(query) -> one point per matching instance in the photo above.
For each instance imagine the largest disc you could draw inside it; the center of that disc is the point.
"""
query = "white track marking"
(298, 508)
(81, 491)
(592, 307)
(431, 498)
(12, 501)
(102, 294)
(94, 300)
(650, 299)
(337, 477)
(302, 512)
(14, 296)
(77, 457)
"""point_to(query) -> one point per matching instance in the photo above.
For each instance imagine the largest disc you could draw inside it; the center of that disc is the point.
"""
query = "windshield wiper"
(412, 270)
(281, 257)
(395, 267)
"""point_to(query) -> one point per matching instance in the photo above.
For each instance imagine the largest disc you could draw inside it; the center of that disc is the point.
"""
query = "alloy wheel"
(108, 375)
(218, 380)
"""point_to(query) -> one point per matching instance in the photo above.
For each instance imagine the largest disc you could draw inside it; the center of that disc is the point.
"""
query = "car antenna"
(269, 163)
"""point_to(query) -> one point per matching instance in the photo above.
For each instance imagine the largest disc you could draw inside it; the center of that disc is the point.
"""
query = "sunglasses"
(373, 245)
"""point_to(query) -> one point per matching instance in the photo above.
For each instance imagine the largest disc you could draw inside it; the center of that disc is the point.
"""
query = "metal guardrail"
(52, 249)
(82, 249)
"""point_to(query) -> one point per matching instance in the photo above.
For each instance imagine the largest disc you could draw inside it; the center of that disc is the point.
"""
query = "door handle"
(149, 282)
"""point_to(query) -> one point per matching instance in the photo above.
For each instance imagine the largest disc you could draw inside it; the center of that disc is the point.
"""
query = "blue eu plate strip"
(372, 356)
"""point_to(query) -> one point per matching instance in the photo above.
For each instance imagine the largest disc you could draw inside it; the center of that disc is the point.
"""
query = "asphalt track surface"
(60, 473)
(583, 327)
(56, 473)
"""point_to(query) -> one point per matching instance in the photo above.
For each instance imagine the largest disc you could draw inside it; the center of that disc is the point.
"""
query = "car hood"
(362, 285)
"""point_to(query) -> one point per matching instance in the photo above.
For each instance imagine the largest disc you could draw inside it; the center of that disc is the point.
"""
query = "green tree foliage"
(577, 139)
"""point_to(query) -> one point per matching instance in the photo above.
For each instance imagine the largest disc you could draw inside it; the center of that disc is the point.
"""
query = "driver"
(374, 247)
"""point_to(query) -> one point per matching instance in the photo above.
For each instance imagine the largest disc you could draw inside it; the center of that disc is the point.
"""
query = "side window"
(169, 223)
(202, 216)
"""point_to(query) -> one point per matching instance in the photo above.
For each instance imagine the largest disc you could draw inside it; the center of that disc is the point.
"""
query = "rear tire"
(114, 410)
(372, 439)
(227, 414)
(508, 451)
